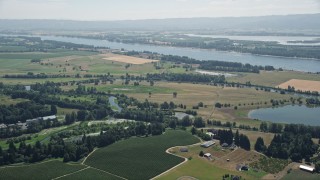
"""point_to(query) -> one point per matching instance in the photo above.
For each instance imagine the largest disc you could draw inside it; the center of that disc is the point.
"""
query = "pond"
(290, 114)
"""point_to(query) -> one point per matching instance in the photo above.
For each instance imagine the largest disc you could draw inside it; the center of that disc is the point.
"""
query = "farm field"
(90, 173)
(140, 158)
(127, 59)
(303, 85)
(41, 171)
(272, 79)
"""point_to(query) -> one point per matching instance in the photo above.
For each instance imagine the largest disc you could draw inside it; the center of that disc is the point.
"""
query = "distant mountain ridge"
(287, 22)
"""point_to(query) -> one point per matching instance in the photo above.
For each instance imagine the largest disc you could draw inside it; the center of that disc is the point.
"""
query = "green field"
(298, 174)
(140, 158)
(41, 171)
(90, 173)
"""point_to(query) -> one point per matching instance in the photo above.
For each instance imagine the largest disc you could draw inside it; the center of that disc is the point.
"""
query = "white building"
(307, 168)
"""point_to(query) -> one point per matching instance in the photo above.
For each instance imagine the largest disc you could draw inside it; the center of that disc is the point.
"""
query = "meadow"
(140, 158)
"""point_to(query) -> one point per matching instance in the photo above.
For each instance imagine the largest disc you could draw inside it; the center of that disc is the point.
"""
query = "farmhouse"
(207, 144)
(307, 168)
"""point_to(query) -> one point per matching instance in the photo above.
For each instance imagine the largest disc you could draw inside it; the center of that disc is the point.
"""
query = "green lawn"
(141, 158)
(41, 171)
(90, 173)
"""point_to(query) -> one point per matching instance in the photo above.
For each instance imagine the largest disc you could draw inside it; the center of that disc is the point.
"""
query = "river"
(297, 64)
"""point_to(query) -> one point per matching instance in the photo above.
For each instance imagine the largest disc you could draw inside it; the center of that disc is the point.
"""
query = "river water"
(298, 64)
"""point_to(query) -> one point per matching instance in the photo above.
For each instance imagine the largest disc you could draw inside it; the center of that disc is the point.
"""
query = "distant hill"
(274, 23)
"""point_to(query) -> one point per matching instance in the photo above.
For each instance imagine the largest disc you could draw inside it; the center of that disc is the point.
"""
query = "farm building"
(307, 168)
(207, 144)
(49, 117)
(184, 149)
(207, 155)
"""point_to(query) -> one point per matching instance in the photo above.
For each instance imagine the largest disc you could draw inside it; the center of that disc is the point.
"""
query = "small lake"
(112, 101)
(293, 114)
(298, 64)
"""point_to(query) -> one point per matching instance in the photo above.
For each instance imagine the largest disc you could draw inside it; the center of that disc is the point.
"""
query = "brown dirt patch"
(126, 59)
(303, 85)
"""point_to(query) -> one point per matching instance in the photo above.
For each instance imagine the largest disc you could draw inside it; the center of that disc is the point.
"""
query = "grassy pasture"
(140, 158)
(42, 171)
(90, 173)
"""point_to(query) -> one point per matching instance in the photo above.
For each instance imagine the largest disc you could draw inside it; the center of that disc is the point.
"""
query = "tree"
(201, 154)
(81, 115)
(317, 166)
(199, 123)
(264, 127)
(218, 105)
(193, 130)
(244, 142)
(186, 121)
(173, 124)
(237, 139)
(53, 109)
(259, 146)
(175, 94)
